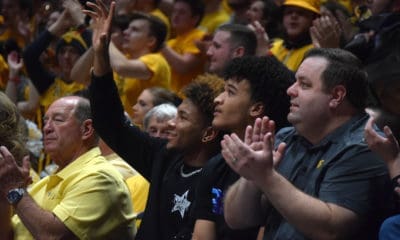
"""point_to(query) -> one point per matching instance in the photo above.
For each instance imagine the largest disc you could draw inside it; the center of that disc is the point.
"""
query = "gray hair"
(165, 111)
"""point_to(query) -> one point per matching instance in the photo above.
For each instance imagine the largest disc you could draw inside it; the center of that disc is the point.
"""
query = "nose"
(248, 13)
(47, 127)
(135, 107)
(172, 123)
(293, 14)
(210, 51)
(291, 91)
(219, 98)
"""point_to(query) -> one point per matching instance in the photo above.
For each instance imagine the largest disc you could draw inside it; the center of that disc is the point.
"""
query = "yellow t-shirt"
(89, 196)
(186, 44)
(291, 58)
(212, 21)
(139, 189)
(130, 88)
(58, 89)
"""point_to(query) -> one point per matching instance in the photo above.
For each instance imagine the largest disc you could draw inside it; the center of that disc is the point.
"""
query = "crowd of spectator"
(199, 119)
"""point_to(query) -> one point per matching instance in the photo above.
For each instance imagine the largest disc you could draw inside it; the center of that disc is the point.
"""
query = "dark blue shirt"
(340, 170)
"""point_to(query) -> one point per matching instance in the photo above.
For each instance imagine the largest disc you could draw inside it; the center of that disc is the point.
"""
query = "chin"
(215, 124)
(170, 145)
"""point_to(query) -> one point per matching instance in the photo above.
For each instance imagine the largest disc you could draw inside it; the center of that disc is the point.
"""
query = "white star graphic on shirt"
(181, 203)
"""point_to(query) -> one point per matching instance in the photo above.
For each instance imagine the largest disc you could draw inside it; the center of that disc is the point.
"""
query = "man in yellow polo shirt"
(85, 199)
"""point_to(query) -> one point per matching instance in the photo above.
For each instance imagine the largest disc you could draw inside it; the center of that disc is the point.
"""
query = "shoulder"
(214, 163)
(285, 133)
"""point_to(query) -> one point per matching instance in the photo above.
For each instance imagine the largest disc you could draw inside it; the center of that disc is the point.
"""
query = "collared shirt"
(89, 196)
(339, 170)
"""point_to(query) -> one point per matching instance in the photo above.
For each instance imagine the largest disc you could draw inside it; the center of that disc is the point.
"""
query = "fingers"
(388, 132)
(7, 159)
(264, 126)
(90, 13)
(257, 130)
(248, 136)
(233, 149)
(268, 142)
(372, 138)
(5, 153)
(268, 126)
(26, 164)
(279, 153)
(325, 31)
(397, 190)
(370, 122)
(226, 153)
(314, 37)
(96, 10)
(369, 131)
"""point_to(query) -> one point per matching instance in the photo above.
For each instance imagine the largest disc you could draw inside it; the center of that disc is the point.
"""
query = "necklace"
(186, 175)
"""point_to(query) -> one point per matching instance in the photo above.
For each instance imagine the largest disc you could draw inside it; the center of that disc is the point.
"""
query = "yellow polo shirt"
(89, 196)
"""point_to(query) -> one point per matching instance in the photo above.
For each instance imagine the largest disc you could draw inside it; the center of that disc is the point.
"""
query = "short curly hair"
(11, 132)
(269, 79)
(202, 91)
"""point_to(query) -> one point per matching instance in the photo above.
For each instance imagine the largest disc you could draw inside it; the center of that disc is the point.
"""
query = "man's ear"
(152, 43)
(209, 134)
(238, 52)
(257, 110)
(338, 94)
(87, 129)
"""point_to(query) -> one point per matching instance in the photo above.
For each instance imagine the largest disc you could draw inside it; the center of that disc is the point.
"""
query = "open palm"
(101, 23)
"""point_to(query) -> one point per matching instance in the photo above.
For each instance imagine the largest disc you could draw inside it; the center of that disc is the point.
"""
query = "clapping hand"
(254, 157)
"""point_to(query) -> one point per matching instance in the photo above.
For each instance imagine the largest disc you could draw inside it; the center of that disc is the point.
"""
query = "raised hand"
(263, 41)
(254, 157)
(325, 32)
(15, 63)
(74, 9)
(12, 175)
(254, 135)
(101, 26)
(386, 146)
